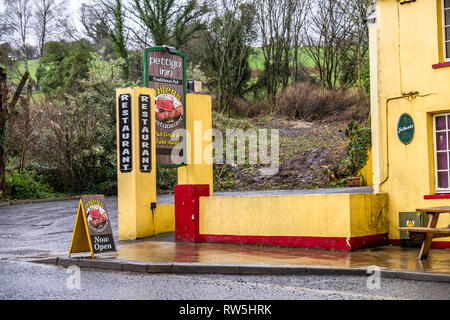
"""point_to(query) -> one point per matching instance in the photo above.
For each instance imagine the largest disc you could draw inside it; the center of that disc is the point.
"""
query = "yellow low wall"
(164, 218)
(327, 221)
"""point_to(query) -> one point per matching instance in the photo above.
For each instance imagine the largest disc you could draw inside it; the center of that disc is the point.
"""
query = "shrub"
(194, 72)
(222, 122)
(243, 108)
(77, 137)
(365, 77)
(63, 66)
(25, 185)
(337, 172)
(166, 178)
(306, 100)
(355, 158)
(357, 149)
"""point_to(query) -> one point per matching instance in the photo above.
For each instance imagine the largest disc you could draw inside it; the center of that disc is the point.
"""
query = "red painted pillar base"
(187, 211)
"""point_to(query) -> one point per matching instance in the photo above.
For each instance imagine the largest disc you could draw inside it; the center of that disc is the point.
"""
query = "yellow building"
(410, 106)
(410, 115)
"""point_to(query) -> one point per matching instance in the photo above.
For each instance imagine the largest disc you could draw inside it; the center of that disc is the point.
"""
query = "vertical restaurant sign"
(92, 231)
(165, 72)
(145, 130)
(125, 120)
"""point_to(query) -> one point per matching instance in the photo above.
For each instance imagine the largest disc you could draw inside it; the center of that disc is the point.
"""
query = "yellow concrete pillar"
(199, 169)
(136, 174)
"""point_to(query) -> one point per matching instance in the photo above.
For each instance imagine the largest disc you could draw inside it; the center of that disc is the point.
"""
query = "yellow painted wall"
(368, 214)
(164, 218)
(367, 173)
(199, 169)
(328, 215)
(404, 45)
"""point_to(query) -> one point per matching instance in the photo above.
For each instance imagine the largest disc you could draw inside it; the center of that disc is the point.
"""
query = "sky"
(73, 10)
(74, 5)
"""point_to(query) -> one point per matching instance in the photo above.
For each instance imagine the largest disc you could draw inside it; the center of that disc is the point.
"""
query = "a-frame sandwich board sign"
(92, 232)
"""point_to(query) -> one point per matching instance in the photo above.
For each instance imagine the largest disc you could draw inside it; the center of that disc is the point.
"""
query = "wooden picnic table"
(430, 232)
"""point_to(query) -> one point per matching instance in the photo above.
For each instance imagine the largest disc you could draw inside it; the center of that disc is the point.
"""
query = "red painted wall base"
(187, 210)
(327, 243)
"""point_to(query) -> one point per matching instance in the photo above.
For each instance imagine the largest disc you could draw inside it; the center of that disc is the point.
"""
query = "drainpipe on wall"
(411, 96)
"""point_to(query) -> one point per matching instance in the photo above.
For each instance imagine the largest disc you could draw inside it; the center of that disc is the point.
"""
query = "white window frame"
(441, 190)
(444, 41)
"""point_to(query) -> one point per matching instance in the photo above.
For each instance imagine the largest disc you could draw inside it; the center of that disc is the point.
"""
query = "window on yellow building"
(442, 152)
(446, 28)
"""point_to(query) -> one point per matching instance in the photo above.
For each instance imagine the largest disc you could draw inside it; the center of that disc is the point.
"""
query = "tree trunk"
(3, 117)
(5, 109)
(27, 127)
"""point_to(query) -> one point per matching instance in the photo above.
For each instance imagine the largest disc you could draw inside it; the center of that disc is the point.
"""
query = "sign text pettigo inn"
(164, 71)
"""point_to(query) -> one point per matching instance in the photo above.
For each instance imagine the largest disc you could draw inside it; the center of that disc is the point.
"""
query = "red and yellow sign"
(164, 71)
(92, 231)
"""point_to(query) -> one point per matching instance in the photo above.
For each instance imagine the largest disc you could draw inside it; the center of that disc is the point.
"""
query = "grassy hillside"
(32, 66)
(256, 60)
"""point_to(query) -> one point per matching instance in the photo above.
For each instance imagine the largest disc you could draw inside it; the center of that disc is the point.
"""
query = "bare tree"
(280, 28)
(17, 20)
(337, 40)
(226, 48)
(298, 34)
(167, 21)
(106, 19)
(329, 28)
(6, 108)
(48, 17)
(357, 52)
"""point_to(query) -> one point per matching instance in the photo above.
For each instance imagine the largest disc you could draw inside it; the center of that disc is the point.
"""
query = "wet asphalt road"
(24, 280)
(44, 229)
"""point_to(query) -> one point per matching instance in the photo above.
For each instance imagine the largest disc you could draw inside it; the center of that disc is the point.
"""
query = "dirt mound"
(306, 148)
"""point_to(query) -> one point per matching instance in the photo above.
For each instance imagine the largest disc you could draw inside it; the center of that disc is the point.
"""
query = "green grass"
(256, 60)
(32, 67)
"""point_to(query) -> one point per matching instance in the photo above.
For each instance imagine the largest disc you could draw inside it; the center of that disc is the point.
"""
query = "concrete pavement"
(42, 231)
(161, 254)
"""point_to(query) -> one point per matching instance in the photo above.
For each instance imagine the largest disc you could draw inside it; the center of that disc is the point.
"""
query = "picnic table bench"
(428, 233)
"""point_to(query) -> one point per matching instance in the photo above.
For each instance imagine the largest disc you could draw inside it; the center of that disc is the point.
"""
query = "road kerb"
(261, 269)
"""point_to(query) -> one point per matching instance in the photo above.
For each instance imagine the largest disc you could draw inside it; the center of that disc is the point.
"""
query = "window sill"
(437, 196)
(440, 65)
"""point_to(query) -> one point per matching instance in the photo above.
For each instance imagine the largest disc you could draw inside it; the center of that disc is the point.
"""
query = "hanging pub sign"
(92, 232)
(125, 136)
(165, 71)
(405, 128)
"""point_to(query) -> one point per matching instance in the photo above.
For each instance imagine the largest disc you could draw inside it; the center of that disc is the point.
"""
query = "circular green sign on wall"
(405, 128)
